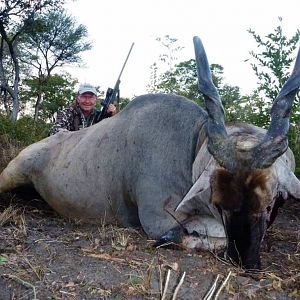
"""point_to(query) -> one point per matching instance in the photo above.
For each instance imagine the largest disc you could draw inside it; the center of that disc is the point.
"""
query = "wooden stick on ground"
(178, 286)
(21, 281)
(166, 285)
(211, 291)
(222, 286)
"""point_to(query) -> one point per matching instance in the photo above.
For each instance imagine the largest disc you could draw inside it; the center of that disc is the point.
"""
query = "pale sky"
(222, 25)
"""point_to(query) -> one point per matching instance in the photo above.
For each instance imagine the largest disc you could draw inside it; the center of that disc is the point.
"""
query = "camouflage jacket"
(72, 119)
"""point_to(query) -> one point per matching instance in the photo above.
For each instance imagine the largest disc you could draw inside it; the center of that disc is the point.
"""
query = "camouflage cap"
(85, 88)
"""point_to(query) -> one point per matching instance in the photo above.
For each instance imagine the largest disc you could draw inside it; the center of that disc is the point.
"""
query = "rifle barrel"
(111, 94)
(125, 61)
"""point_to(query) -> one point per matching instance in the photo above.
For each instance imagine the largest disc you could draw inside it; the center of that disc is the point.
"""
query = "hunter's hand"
(63, 130)
(112, 109)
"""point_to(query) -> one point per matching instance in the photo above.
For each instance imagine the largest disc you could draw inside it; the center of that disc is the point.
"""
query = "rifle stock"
(112, 94)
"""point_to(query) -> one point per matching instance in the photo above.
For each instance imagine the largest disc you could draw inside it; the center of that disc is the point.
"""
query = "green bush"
(25, 130)
(294, 144)
(16, 136)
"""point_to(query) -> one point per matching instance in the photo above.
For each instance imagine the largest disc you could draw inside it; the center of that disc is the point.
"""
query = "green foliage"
(16, 14)
(273, 61)
(37, 37)
(272, 67)
(3, 260)
(53, 40)
(249, 109)
(294, 144)
(123, 103)
(14, 136)
(16, 17)
(294, 134)
(58, 92)
(166, 61)
(24, 131)
(183, 81)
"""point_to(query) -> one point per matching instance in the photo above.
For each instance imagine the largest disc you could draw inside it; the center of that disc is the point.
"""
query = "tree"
(58, 92)
(5, 65)
(54, 41)
(123, 102)
(166, 61)
(16, 17)
(273, 62)
(272, 68)
(182, 80)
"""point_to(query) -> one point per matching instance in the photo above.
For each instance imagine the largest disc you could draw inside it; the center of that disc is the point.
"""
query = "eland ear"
(200, 190)
(199, 195)
(288, 182)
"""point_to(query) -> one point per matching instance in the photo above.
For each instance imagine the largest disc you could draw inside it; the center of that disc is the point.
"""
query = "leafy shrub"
(16, 136)
(294, 144)
(25, 130)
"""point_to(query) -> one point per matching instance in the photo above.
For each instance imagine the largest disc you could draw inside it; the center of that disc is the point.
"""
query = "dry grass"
(14, 216)
(9, 149)
(64, 259)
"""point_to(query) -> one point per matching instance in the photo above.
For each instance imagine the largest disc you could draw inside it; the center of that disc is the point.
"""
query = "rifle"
(112, 94)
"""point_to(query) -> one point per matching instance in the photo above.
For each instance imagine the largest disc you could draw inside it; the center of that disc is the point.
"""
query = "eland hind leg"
(12, 176)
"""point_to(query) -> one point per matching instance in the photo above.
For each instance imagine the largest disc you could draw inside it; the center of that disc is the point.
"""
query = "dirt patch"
(45, 256)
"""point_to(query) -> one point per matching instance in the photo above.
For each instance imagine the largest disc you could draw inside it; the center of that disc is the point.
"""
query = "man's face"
(87, 101)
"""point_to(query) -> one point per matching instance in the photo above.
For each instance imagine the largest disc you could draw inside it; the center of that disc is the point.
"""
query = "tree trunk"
(37, 106)
(5, 102)
(16, 106)
(11, 43)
